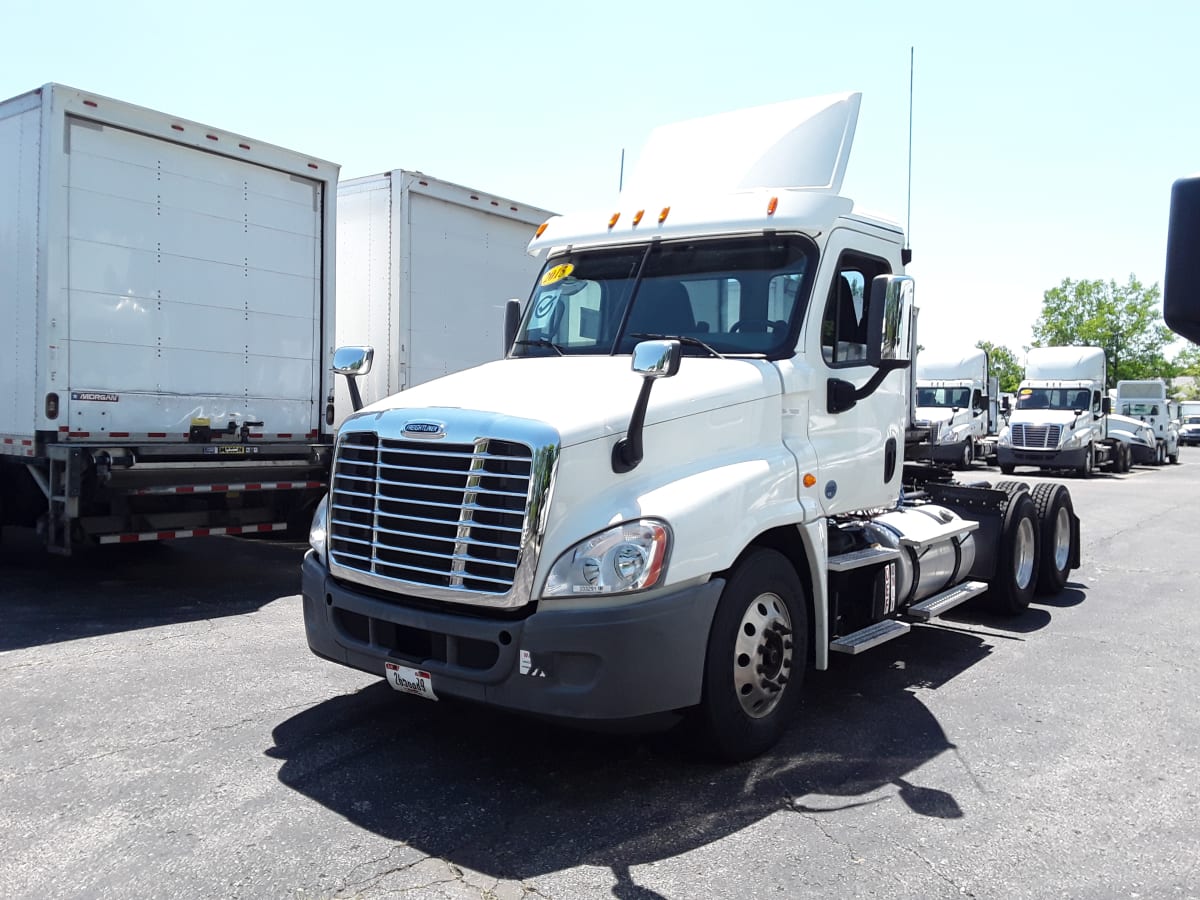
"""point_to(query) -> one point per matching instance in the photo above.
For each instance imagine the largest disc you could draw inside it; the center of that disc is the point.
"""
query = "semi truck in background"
(958, 406)
(1147, 402)
(1189, 422)
(684, 484)
(418, 258)
(168, 293)
(1060, 417)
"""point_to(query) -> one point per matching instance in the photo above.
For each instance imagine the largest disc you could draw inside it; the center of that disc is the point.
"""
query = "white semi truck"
(957, 406)
(684, 485)
(167, 289)
(1060, 417)
(1146, 401)
(418, 259)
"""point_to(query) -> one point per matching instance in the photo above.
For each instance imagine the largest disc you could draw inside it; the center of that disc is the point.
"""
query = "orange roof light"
(637, 216)
(662, 216)
(613, 220)
(541, 229)
(772, 206)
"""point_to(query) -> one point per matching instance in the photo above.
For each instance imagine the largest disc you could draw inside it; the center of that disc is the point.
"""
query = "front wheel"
(757, 654)
(1088, 465)
(1011, 588)
(968, 456)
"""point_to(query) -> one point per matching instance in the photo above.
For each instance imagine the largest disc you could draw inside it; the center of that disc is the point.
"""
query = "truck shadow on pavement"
(106, 590)
(515, 798)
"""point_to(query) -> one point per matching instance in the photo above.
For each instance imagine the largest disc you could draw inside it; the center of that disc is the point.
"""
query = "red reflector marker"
(312, 165)
(177, 127)
(91, 103)
(244, 146)
(212, 137)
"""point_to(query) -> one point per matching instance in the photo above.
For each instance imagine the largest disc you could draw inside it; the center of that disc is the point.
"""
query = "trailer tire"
(1054, 510)
(1011, 487)
(762, 616)
(1012, 587)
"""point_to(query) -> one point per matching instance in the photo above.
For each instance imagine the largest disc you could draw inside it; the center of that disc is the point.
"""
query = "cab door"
(858, 452)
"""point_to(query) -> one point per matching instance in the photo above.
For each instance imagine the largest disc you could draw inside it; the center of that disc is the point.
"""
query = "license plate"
(410, 680)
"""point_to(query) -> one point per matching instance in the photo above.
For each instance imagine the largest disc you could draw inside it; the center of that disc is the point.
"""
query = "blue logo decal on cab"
(830, 489)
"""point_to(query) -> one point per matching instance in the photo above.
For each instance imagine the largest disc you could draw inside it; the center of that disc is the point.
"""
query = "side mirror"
(889, 322)
(352, 362)
(1181, 285)
(1004, 404)
(1106, 406)
(512, 322)
(652, 360)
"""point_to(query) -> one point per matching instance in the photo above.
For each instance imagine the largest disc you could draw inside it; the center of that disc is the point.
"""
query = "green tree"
(1187, 364)
(1004, 365)
(1123, 319)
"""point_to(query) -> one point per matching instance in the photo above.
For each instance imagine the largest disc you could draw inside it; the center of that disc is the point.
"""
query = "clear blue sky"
(1047, 134)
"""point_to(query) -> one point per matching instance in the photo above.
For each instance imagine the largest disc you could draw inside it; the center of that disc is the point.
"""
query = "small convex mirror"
(353, 360)
(656, 359)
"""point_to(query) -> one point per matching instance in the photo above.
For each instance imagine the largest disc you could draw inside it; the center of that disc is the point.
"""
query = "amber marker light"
(613, 220)
(772, 206)
(637, 216)
(662, 216)
(809, 479)
(541, 229)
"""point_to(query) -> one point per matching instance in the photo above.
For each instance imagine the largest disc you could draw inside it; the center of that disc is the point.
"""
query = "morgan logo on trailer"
(98, 396)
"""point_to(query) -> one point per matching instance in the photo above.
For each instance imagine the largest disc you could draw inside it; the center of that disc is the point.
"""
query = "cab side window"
(844, 325)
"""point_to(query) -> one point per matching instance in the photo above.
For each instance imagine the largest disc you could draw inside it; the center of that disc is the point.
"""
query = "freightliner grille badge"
(424, 430)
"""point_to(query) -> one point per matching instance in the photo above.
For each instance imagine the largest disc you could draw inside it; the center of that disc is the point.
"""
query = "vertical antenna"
(621, 176)
(908, 226)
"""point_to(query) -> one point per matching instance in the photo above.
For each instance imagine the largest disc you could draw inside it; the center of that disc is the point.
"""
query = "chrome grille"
(448, 516)
(1036, 437)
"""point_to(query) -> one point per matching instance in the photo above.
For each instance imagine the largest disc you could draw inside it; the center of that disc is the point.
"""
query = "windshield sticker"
(558, 273)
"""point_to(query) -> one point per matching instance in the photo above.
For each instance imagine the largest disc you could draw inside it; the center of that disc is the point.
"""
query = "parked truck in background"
(1147, 402)
(685, 483)
(167, 289)
(958, 406)
(1060, 417)
(417, 259)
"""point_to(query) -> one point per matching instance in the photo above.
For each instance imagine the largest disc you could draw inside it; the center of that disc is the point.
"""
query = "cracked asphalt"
(164, 732)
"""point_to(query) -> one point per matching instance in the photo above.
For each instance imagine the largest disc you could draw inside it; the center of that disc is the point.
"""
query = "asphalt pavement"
(165, 732)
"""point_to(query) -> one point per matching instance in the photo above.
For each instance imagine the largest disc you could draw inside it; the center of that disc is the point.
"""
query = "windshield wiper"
(542, 342)
(690, 341)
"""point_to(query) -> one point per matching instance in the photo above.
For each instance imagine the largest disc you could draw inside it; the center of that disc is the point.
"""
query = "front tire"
(757, 654)
(1054, 511)
(1012, 587)
(968, 456)
(1089, 463)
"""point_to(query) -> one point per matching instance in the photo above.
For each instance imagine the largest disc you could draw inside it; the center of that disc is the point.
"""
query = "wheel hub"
(762, 655)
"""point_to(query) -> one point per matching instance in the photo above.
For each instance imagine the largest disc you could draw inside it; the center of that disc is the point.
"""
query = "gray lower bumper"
(617, 663)
(1046, 459)
(1143, 455)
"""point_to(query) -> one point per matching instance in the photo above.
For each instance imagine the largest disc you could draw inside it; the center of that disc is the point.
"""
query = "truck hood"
(1063, 417)
(588, 397)
(932, 414)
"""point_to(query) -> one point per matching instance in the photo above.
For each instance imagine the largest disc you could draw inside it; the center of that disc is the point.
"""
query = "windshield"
(1191, 420)
(947, 398)
(1139, 409)
(1054, 398)
(731, 296)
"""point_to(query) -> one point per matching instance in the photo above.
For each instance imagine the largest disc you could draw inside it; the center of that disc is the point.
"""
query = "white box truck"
(1146, 400)
(420, 260)
(167, 289)
(684, 485)
(1189, 422)
(1060, 417)
(957, 407)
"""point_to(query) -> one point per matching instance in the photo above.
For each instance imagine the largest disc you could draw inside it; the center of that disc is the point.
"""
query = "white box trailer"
(424, 270)
(168, 293)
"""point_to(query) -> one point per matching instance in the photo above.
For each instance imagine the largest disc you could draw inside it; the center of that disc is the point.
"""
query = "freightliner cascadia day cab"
(168, 293)
(683, 485)
(418, 259)
(1147, 402)
(958, 406)
(1060, 417)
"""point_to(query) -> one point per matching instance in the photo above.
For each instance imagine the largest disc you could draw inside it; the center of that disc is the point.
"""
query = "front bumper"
(1045, 459)
(616, 663)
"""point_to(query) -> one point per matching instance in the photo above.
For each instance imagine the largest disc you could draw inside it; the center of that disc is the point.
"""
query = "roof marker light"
(613, 220)
(662, 216)
(91, 103)
(637, 216)
(772, 206)
(244, 146)
(312, 165)
(212, 137)
(542, 228)
(177, 127)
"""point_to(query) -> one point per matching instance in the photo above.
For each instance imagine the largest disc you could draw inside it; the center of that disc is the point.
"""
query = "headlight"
(628, 557)
(318, 530)
(1075, 440)
(948, 436)
(1005, 439)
